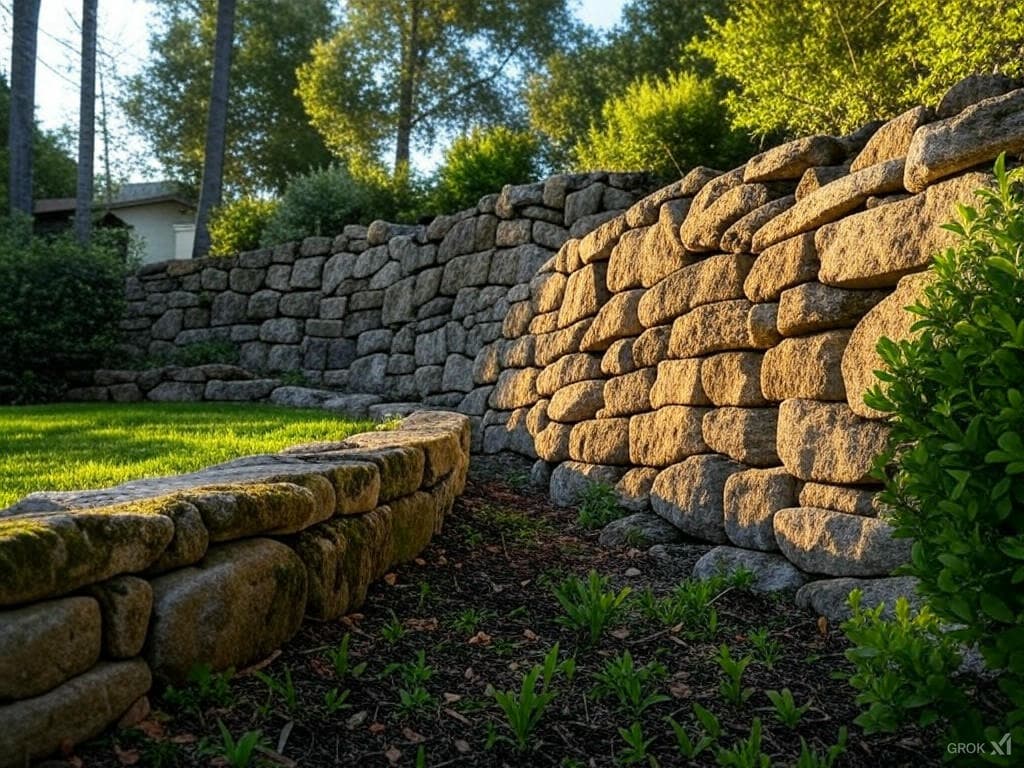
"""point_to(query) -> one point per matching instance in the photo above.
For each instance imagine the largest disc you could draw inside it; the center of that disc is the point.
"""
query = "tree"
(22, 105)
(53, 169)
(216, 127)
(808, 66)
(399, 72)
(483, 161)
(86, 123)
(565, 96)
(269, 136)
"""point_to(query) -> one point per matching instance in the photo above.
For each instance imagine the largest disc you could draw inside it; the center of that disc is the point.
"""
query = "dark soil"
(479, 605)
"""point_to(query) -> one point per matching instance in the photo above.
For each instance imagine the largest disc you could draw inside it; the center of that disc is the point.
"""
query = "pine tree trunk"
(23, 88)
(86, 124)
(216, 127)
(407, 90)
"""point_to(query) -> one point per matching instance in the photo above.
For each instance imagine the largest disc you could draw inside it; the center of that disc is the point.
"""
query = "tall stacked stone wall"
(405, 313)
(708, 351)
(103, 592)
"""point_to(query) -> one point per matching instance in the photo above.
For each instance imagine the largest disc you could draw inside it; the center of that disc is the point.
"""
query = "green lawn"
(78, 446)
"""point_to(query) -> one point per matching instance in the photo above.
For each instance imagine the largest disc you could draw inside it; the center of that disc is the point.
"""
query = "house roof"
(128, 196)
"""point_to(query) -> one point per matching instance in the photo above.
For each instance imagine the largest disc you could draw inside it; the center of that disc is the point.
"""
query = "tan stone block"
(618, 358)
(624, 264)
(815, 307)
(516, 388)
(597, 246)
(630, 393)
(634, 489)
(837, 544)
(552, 443)
(662, 252)
(790, 160)
(716, 278)
(703, 231)
(617, 319)
(733, 378)
(545, 323)
(125, 604)
(762, 326)
(577, 402)
(585, 292)
(889, 319)
(568, 370)
(752, 498)
(546, 292)
(691, 495)
(842, 498)
(666, 436)
(877, 247)
(806, 367)
(892, 139)
(827, 442)
(551, 346)
(739, 237)
(651, 347)
(603, 441)
(816, 178)
(537, 419)
(679, 382)
(714, 328)
(743, 434)
(782, 266)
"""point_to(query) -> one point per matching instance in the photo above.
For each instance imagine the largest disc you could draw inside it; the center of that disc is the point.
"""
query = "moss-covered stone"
(45, 555)
(237, 511)
(401, 468)
(242, 601)
(125, 604)
(45, 644)
(356, 486)
(441, 449)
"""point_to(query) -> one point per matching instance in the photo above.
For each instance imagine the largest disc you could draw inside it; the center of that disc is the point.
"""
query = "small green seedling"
(636, 746)
(630, 685)
(470, 620)
(589, 605)
(336, 700)
(240, 753)
(599, 505)
(711, 730)
(809, 758)
(767, 649)
(393, 630)
(747, 752)
(731, 686)
(343, 667)
(786, 710)
(284, 689)
(524, 710)
(205, 689)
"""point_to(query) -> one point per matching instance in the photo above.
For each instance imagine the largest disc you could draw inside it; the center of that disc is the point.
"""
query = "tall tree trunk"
(407, 89)
(216, 127)
(23, 93)
(86, 124)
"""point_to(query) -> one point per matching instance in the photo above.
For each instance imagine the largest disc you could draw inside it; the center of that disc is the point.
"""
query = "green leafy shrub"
(60, 305)
(589, 605)
(482, 162)
(237, 226)
(666, 125)
(954, 467)
(321, 202)
(902, 667)
(599, 505)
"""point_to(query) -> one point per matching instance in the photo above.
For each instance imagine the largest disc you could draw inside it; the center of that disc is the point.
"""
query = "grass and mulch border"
(431, 670)
(80, 446)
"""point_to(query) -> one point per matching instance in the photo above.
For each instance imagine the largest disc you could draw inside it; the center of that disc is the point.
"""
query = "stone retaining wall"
(708, 351)
(104, 592)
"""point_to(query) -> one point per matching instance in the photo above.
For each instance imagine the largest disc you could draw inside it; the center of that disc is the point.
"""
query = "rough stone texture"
(806, 366)
(717, 278)
(50, 554)
(743, 434)
(679, 382)
(827, 442)
(585, 293)
(789, 161)
(515, 389)
(75, 712)
(703, 228)
(125, 603)
(739, 237)
(43, 645)
(831, 202)
(241, 602)
(976, 135)
(690, 495)
(651, 347)
(752, 498)
(570, 478)
(888, 319)
(634, 489)
(604, 441)
(874, 249)
(641, 529)
(577, 402)
(892, 140)
(817, 177)
(618, 358)
(733, 378)
(630, 393)
(568, 370)
(837, 544)
(772, 573)
(552, 442)
(827, 597)
(713, 328)
(815, 307)
(617, 319)
(782, 266)
(852, 501)
(666, 435)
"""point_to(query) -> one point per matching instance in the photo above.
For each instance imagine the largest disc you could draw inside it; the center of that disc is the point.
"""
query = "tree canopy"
(400, 73)
(807, 66)
(268, 135)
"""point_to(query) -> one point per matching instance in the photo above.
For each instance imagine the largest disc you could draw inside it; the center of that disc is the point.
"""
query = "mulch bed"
(479, 605)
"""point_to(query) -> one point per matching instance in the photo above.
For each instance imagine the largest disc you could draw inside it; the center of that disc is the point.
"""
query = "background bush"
(481, 163)
(665, 125)
(955, 469)
(237, 225)
(59, 308)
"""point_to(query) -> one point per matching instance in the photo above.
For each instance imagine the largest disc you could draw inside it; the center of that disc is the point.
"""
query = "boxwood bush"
(60, 305)
(954, 471)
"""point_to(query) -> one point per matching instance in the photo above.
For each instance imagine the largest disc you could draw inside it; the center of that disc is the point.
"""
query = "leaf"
(996, 608)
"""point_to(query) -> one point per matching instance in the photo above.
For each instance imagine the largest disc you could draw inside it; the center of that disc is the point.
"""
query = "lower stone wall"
(103, 593)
